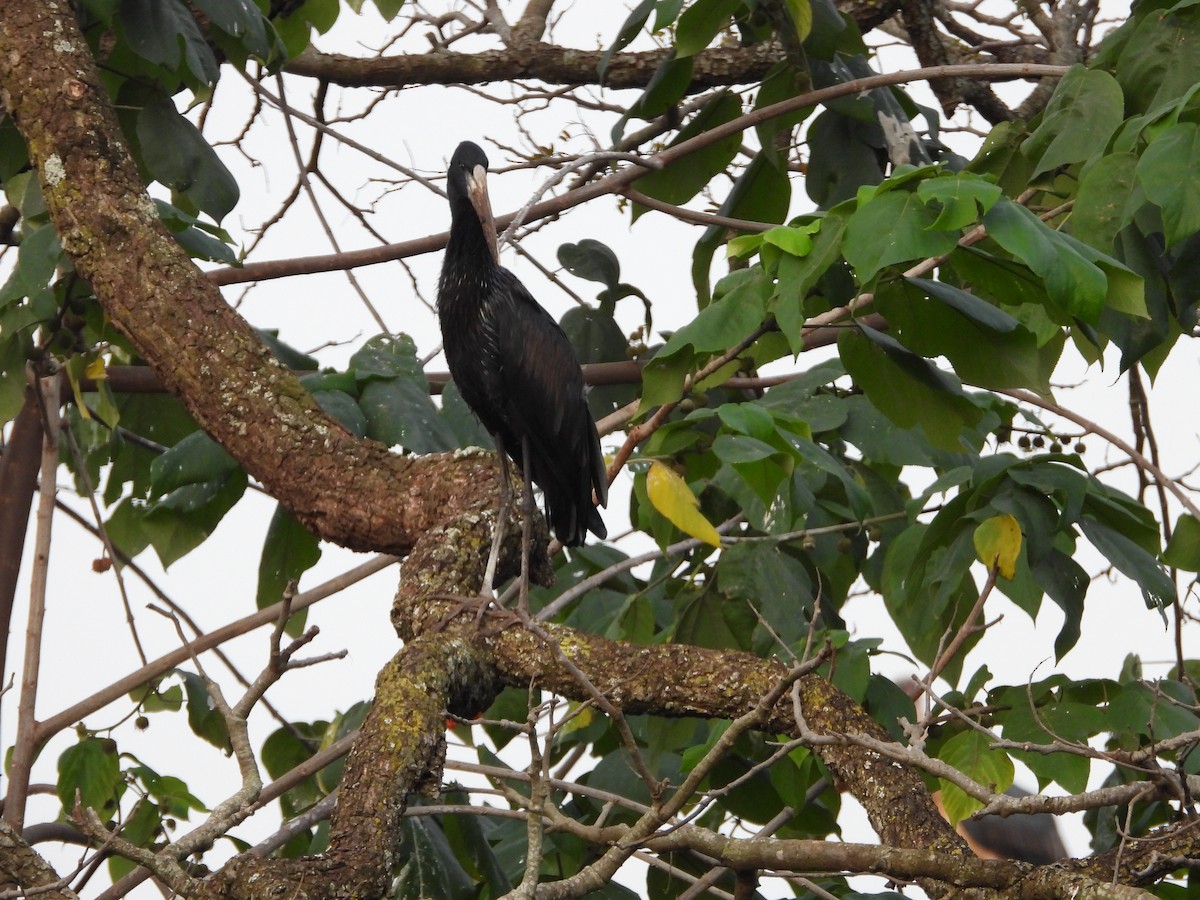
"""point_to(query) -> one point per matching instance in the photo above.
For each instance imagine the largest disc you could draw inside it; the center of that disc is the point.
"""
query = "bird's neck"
(469, 246)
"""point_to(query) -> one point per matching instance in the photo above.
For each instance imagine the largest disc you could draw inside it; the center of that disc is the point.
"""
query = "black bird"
(513, 364)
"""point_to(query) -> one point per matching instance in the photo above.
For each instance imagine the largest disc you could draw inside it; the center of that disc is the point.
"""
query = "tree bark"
(342, 488)
(539, 61)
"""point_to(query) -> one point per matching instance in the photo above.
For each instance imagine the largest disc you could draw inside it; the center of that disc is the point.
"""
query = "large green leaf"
(428, 869)
(195, 459)
(799, 275)
(394, 396)
(1183, 550)
(205, 720)
(178, 156)
(970, 753)
(1085, 110)
(592, 260)
(1167, 172)
(845, 154)
(985, 345)
(1131, 560)
(740, 308)
(182, 520)
(288, 552)
(240, 19)
(1073, 282)
(630, 29)
(1158, 55)
(37, 257)
(893, 227)
(1066, 583)
(90, 772)
(908, 389)
(963, 197)
(1106, 190)
(156, 29)
(700, 23)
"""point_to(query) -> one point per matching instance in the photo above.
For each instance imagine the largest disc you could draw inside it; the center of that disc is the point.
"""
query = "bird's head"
(467, 179)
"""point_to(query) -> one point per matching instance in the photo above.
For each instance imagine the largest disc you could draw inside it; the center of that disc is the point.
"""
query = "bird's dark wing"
(543, 392)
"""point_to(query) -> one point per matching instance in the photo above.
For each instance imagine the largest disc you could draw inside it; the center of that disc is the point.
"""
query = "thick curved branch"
(23, 866)
(342, 488)
(399, 752)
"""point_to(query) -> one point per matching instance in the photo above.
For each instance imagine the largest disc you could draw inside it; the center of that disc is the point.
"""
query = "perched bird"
(514, 366)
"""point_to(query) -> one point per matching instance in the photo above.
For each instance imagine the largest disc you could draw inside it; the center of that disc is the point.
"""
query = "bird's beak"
(478, 193)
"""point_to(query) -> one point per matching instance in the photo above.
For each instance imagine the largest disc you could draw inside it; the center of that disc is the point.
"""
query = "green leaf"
(286, 353)
(963, 197)
(203, 717)
(400, 413)
(288, 552)
(1183, 549)
(179, 157)
(1102, 202)
(952, 325)
(37, 258)
(844, 154)
(740, 308)
(679, 181)
(630, 29)
(666, 87)
(1131, 560)
(970, 753)
(1085, 110)
(1073, 282)
(139, 829)
(183, 519)
(171, 793)
(389, 9)
(395, 396)
(979, 311)
(796, 241)
(783, 82)
(592, 260)
(92, 770)
(1158, 60)
(197, 458)
(345, 409)
(700, 23)
(429, 868)
(240, 19)
(1167, 173)
(1155, 712)
(908, 389)
(155, 29)
(890, 228)
(801, 14)
(1066, 583)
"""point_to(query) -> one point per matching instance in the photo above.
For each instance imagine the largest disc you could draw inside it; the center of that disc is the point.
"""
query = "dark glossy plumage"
(512, 363)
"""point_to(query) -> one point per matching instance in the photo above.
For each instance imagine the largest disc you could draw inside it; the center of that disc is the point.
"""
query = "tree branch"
(548, 63)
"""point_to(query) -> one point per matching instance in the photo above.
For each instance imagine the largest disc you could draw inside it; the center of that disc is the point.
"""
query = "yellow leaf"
(671, 496)
(998, 543)
(95, 369)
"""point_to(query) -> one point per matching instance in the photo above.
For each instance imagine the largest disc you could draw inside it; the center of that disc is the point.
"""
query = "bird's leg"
(489, 573)
(527, 510)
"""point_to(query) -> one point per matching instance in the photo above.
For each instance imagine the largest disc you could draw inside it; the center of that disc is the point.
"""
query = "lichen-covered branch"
(343, 488)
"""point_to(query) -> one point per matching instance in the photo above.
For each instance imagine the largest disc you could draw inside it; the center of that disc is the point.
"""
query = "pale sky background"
(88, 644)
